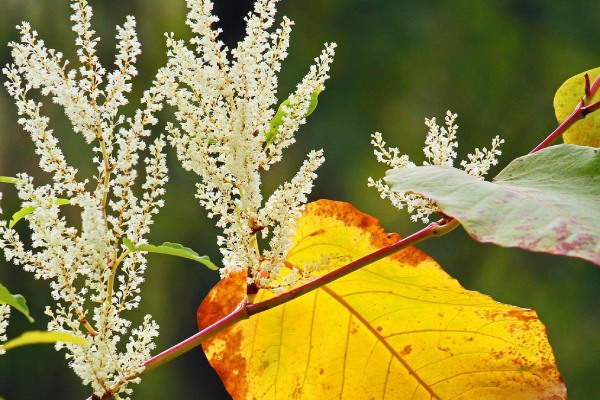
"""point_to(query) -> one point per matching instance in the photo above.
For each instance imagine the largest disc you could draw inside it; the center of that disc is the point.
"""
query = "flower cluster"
(93, 277)
(4, 314)
(227, 134)
(439, 149)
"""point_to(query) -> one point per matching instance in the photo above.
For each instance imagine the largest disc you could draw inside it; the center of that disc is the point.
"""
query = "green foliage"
(172, 249)
(280, 115)
(28, 210)
(546, 201)
(8, 179)
(16, 301)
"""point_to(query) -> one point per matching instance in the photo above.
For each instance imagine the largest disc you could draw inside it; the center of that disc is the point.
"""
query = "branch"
(434, 229)
(581, 110)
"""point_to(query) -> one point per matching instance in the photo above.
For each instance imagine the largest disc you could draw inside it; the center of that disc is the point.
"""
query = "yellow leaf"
(585, 132)
(400, 328)
(41, 337)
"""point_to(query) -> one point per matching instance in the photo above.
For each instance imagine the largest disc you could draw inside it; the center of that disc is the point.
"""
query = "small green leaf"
(28, 210)
(585, 132)
(546, 201)
(314, 101)
(172, 249)
(41, 337)
(8, 179)
(280, 115)
(16, 301)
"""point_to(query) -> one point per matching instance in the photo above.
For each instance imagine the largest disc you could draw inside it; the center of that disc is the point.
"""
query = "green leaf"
(28, 210)
(172, 249)
(585, 132)
(280, 115)
(42, 337)
(8, 179)
(546, 201)
(16, 301)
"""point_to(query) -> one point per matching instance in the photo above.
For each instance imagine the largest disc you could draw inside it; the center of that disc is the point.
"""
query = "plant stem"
(581, 110)
(239, 314)
(245, 309)
(434, 229)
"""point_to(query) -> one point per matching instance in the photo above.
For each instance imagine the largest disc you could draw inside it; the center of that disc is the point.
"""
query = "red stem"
(240, 313)
(434, 229)
(581, 110)
(594, 88)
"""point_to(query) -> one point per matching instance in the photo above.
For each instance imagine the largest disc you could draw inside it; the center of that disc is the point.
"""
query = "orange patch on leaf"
(400, 328)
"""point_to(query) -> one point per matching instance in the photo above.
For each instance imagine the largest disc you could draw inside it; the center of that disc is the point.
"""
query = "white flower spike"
(225, 103)
(439, 149)
(93, 278)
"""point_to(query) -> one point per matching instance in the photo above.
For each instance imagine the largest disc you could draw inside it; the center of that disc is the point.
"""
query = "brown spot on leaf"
(523, 315)
(406, 350)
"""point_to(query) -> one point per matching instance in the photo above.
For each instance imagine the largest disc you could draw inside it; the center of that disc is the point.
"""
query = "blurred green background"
(495, 63)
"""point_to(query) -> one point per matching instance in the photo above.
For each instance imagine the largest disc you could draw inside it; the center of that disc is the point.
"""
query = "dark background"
(495, 63)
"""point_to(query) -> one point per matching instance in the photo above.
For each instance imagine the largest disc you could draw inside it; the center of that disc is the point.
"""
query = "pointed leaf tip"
(277, 120)
(42, 337)
(16, 301)
(19, 215)
(172, 249)
(8, 179)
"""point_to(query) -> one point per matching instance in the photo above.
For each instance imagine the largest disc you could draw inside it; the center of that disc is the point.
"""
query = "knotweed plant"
(229, 133)
(94, 278)
(439, 149)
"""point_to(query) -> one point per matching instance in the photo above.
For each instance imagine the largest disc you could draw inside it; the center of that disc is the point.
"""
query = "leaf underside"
(400, 328)
(546, 201)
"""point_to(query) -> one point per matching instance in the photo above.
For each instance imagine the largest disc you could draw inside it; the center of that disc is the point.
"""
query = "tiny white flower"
(225, 100)
(4, 314)
(92, 277)
(440, 145)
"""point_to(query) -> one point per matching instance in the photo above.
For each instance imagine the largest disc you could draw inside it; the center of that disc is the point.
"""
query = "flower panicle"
(225, 101)
(93, 278)
(440, 149)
